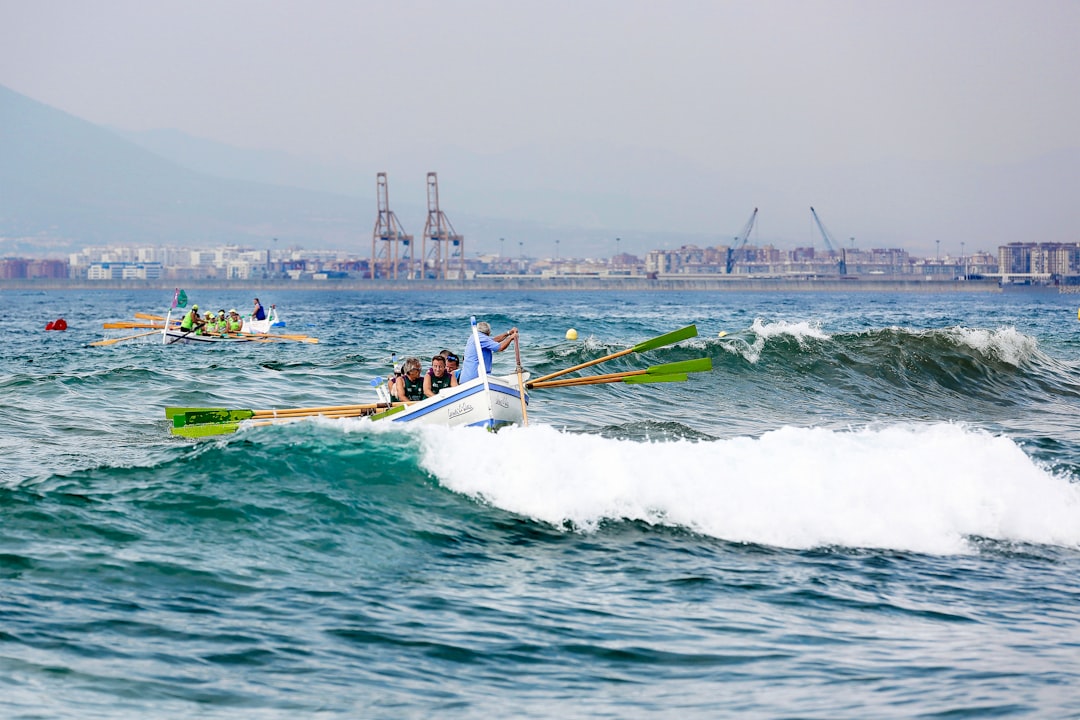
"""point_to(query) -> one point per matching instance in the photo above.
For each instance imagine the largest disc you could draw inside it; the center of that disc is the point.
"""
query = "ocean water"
(869, 508)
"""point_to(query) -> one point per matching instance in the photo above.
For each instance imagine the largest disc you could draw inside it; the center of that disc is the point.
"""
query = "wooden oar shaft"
(339, 415)
(274, 337)
(591, 380)
(575, 381)
(583, 365)
(628, 379)
(291, 412)
(521, 381)
(128, 325)
(682, 366)
(113, 341)
(657, 342)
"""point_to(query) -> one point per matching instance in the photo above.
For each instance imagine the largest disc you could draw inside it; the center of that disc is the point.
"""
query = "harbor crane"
(740, 241)
(445, 241)
(391, 246)
(841, 264)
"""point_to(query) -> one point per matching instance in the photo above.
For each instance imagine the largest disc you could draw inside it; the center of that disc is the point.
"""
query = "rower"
(437, 378)
(192, 321)
(408, 386)
(235, 324)
(470, 366)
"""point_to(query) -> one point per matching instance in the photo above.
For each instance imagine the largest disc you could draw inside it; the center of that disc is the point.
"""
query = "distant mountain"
(68, 183)
(62, 177)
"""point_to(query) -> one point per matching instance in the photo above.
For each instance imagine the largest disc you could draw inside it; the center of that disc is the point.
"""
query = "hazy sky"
(759, 90)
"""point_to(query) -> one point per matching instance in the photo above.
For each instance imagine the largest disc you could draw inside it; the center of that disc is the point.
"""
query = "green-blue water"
(870, 508)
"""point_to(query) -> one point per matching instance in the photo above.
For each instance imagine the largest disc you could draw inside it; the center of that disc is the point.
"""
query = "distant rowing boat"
(171, 332)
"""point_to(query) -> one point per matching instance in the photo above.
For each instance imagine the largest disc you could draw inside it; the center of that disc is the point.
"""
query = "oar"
(224, 428)
(521, 381)
(273, 337)
(196, 416)
(181, 337)
(683, 366)
(113, 341)
(657, 342)
(128, 325)
(628, 379)
(148, 316)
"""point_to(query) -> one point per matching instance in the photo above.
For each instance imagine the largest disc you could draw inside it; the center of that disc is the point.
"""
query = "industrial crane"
(740, 240)
(841, 263)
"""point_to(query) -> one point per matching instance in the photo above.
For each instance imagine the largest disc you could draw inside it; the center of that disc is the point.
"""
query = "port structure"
(444, 240)
(391, 247)
(739, 242)
(841, 255)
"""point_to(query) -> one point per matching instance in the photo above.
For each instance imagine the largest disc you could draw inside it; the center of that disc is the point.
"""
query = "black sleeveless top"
(439, 383)
(414, 389)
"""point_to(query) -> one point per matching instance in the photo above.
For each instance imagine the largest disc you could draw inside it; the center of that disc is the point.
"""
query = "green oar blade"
(641, 379)
(171, 412)
(671, 338)
(683, 366)
(198, 431)
(203, 417)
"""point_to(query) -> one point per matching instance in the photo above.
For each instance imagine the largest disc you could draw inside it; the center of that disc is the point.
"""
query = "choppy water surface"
(870, 508)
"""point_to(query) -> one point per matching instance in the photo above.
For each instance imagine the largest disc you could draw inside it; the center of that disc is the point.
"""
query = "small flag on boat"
(179, 298)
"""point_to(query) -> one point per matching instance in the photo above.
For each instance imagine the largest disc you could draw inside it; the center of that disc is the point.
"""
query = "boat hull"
(180, 336)
(469, 405)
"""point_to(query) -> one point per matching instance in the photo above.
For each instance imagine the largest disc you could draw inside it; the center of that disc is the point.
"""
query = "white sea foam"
(1006, 344)
(800, 331)
(907, 487)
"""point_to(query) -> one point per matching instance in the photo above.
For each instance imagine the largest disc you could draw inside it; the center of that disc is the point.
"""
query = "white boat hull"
(180, 336)
(468, 405)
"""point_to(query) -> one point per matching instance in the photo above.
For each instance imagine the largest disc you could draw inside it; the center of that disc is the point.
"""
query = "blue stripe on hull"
(461, 396)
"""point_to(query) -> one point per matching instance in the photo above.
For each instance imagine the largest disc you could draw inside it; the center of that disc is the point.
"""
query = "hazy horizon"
(902, 123)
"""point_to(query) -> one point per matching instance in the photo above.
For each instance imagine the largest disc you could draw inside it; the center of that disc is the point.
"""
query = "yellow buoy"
(571, 334)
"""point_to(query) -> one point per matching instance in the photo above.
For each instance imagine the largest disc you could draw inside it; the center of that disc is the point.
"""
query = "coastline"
(536, 283)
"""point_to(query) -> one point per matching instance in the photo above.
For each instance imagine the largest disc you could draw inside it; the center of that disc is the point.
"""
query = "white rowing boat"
(491, 402)
(250, 331)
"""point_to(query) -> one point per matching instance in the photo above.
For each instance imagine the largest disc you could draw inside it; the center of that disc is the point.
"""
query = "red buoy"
(57, 324)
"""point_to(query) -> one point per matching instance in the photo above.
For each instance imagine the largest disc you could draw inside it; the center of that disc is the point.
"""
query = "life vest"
(439, 383)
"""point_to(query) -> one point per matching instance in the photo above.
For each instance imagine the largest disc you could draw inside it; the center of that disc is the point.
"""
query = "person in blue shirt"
(470, 365)
(258, 313)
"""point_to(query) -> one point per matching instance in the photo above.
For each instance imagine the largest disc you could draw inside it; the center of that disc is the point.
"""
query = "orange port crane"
(445, 242)
(391, 247)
